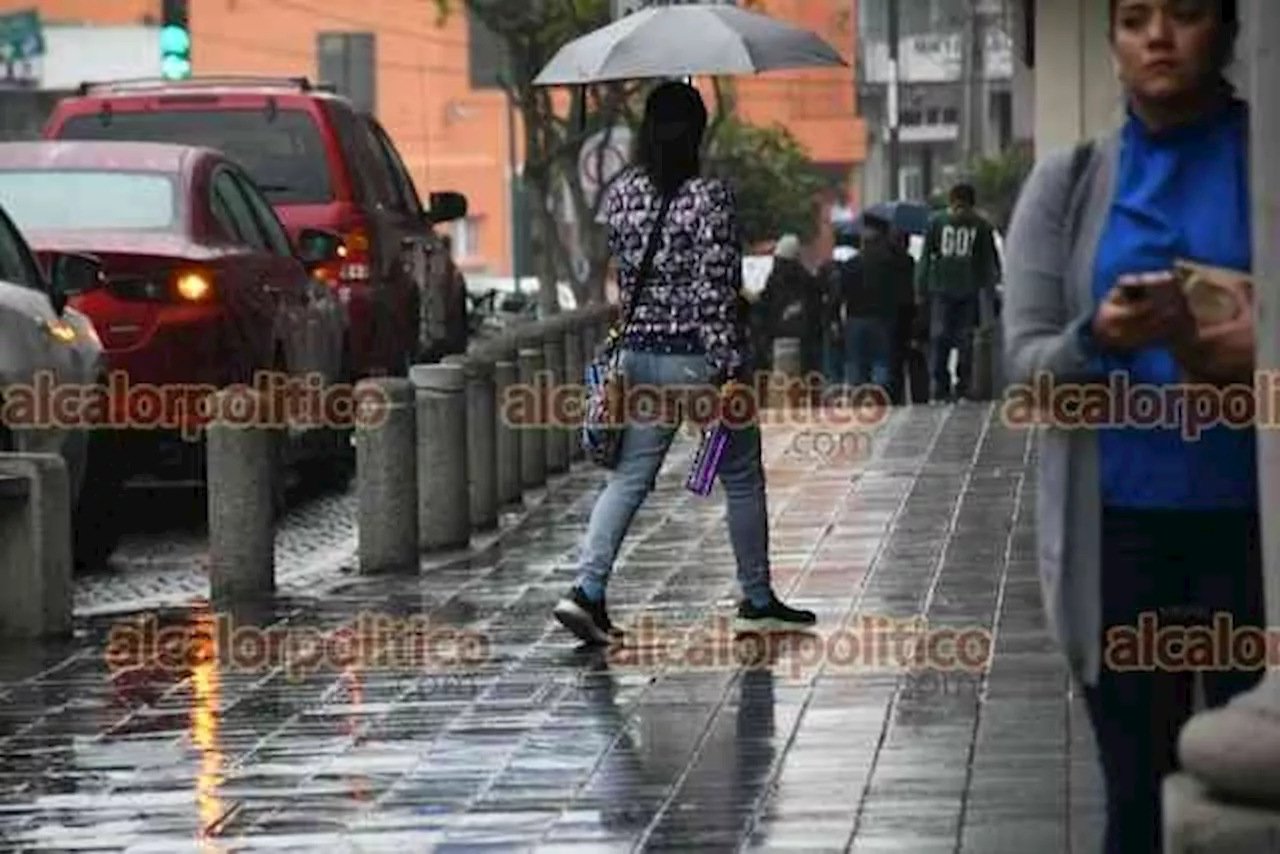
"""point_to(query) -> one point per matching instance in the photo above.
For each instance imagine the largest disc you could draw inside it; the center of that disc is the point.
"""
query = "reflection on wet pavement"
(446, 711)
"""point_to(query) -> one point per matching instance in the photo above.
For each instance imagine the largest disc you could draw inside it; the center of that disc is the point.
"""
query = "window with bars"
(349, 62)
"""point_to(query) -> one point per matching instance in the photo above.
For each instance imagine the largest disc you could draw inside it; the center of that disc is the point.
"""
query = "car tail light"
(185, 286)
(193, 286)
(352, 266)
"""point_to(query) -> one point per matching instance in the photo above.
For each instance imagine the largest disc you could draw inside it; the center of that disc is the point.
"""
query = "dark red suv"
(322, 164)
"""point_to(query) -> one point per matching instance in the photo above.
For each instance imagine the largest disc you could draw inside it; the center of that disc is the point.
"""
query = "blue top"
(1181, 193)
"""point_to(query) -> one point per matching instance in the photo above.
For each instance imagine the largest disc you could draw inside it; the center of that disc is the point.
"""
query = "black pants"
(1184, 567)
(901, 354)
(953, 320)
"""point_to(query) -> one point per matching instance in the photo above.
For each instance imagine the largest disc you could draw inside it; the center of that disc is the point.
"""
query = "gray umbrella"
(686, 41)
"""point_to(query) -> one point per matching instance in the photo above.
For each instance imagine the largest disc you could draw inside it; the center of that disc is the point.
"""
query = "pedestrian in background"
(959, 268)
(686, 327)
(793, 303)
(1132, 520)
(870, 306)
(831, 279)
(903, 355)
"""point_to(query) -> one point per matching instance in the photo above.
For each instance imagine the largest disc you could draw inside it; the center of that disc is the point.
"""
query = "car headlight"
(62, 331)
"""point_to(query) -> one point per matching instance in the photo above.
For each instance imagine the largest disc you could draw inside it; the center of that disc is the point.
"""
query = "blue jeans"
(644, 448)
(867, 350)
(832, 363)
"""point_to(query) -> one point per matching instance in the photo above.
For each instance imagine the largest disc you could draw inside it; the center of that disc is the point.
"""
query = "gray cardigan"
(1048, 295)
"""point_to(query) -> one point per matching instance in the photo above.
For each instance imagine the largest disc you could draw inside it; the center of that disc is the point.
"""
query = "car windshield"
(43, 199)
(282, 151)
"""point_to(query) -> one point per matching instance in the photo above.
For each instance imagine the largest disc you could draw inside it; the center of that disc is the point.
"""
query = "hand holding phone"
(1142, 309)
(1137, 287)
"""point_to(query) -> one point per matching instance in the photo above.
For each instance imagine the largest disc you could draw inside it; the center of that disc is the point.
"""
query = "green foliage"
(998, 180)
(775, 181)
(771, 172)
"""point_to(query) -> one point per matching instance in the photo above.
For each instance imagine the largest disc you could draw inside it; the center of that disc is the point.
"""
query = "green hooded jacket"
(959, 256)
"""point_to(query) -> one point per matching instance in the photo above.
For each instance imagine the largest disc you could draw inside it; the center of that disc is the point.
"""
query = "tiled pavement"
(527, 743)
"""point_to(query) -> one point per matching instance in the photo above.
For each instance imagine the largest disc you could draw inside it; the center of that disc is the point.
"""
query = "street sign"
(21, 36)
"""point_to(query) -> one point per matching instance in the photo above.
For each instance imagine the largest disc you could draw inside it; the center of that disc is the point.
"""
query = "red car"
(202, 288)
(323, 164)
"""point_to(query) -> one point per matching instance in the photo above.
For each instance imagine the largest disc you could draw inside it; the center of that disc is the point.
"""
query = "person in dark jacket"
(830, 279)
(793, 304)
(870, 306)
(903, 355)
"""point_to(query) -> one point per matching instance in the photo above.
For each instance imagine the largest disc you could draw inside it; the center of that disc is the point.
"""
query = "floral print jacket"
(690, 302)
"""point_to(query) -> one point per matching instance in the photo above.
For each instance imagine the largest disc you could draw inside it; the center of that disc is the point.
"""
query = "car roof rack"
(143, 84)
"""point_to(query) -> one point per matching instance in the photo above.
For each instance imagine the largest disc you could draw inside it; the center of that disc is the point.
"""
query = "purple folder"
(702, 474)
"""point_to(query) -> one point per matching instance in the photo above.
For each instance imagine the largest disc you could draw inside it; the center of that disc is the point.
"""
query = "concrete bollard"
(572, 394)
(482, 423)
(387, 476)
(35, 547)
(554, 358)
(786, 367)
(531, 387)
(444, 502)
(240, 472)
(508, 486)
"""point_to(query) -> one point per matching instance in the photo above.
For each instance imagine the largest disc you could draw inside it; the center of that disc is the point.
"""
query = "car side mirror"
(514, 303)
(446, 207)
(317, 246)
(72, 273)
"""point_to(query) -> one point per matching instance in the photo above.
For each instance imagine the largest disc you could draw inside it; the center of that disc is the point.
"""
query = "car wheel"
(98, 518)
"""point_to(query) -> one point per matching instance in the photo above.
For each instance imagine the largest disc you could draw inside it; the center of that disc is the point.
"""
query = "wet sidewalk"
(448, 712)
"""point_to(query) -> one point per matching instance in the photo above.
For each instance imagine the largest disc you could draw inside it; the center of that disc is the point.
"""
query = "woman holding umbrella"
(685, 327)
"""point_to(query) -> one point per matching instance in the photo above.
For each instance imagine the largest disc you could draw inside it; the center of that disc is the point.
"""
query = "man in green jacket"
(959, 268)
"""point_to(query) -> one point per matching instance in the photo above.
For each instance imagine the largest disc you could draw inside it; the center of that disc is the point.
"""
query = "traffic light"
(175, 41)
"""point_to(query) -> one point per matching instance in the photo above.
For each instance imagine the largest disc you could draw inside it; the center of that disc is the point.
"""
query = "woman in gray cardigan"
(1138, 525)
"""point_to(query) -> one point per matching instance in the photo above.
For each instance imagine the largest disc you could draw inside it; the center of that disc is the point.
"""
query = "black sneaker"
(774, 617)
(589, 621)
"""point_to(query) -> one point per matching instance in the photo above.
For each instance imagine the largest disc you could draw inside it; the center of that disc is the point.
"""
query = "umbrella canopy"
(908, 217)
(686, 41)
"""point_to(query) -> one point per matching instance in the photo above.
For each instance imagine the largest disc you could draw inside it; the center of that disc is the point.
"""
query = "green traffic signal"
(175, 39)
(175, 68)
(175, 52)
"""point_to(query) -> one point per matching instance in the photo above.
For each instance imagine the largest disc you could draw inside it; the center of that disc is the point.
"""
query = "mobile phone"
(1136, 287)
(1134, 291)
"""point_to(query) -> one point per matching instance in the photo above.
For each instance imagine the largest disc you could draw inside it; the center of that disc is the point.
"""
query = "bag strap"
(1080, 160)
(646, 263)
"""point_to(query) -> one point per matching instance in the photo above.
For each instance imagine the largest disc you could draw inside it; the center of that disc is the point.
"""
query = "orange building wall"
(818, 106)
(451, 137)
(104, 13)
